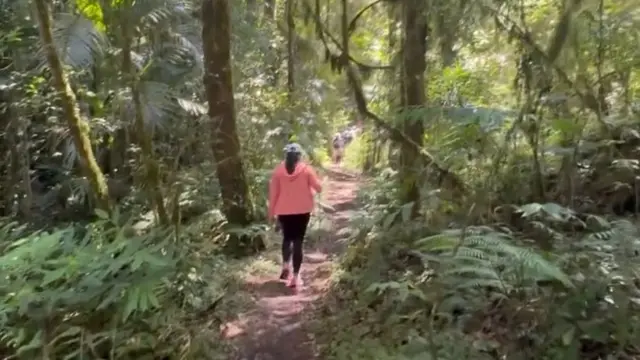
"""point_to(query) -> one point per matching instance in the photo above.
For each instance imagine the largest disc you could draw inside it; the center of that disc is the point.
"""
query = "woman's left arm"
(274, 192)
(313, 180)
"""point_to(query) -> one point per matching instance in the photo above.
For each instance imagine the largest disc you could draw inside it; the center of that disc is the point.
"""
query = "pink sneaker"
(295, 282)
(284, 274)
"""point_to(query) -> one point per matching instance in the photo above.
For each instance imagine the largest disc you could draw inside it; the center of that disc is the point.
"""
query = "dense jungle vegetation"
(499, 153)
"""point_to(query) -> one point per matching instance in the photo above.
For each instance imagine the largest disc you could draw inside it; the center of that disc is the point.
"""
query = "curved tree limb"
(337, 43)
(352, 24)
(444, 175)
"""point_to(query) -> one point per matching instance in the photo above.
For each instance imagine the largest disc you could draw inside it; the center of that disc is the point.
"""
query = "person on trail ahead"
(347, 135)
(291, 202)
(338, 148)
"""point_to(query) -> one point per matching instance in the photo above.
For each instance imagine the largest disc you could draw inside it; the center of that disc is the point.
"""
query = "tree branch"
(352, 24)
(587, 98)
(444, 175)
(338, 45)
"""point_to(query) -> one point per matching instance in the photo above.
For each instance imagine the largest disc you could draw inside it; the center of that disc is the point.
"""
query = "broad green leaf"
(91, 10)
(52, 276)
(131, 303)
(102, 214)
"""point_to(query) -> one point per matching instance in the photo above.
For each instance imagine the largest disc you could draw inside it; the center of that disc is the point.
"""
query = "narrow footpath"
(274, 327)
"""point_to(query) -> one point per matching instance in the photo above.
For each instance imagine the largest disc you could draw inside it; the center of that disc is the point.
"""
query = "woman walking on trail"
(291, 201)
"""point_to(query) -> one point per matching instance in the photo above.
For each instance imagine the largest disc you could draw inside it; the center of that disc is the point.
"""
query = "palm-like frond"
(165, 62)
(157, 104)
(173, 62)
(151, 13)
(192, 107)
(80, 44)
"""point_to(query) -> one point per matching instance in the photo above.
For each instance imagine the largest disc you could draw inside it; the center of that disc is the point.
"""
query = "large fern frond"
(477, 252)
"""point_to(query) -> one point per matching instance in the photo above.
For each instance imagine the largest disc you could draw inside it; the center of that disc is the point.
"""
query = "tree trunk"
(447, 20)
(290, 50)
(291, 67)
(274, 54)
(392, 41)
(269, 10)
(10, 154)
(152, 171)
(413, 96)
(447, 42)
(250, 14)
(236, 200)
(79, 128)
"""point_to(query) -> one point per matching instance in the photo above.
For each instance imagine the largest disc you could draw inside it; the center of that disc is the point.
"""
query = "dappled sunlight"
(467, 174)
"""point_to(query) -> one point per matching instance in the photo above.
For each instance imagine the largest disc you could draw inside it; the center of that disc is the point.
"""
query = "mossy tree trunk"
(236, 199)
(412, 95)
(78, 127)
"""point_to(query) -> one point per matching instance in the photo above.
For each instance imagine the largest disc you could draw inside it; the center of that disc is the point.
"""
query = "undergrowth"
(107, 291)
(415, 289)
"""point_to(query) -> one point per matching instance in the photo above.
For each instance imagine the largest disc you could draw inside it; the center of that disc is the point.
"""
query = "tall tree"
(447, 18)
(78, 127)
(412, 94)
(236, 199)
(145, 140)
(250, 14)
(269, 10)
(291, 65)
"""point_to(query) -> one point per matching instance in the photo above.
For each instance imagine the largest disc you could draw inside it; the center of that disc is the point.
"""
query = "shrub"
(103, 291)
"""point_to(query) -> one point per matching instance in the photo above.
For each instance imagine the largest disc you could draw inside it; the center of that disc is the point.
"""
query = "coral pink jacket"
(292, 193)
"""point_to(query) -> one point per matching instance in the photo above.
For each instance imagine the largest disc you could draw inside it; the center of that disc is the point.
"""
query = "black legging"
(294, 227)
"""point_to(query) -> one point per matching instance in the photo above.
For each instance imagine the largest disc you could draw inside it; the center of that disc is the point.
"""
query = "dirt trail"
(275, 329)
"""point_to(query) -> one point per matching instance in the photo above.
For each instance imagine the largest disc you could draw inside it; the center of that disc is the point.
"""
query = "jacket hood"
(300, 168)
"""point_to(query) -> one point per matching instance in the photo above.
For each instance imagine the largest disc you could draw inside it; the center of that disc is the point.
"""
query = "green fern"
(476, 254)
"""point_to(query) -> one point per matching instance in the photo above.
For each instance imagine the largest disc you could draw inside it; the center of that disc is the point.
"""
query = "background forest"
(499, 158)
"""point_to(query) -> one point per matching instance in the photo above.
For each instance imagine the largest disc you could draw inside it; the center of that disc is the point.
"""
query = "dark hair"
(290, 161)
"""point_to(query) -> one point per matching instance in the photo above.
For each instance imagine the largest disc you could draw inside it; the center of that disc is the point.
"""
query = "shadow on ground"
(347, 205)
(269, 289)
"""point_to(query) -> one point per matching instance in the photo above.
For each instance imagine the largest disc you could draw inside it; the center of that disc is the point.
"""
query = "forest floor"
(274, 324)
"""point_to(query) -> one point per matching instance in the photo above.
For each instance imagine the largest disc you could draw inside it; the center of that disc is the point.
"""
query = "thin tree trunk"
(291, 55)
(250, 15)
(290, 49)
(273, 58)
(26, 203)
(152, 171)
(79, 128)
(9, 150)
(448, 26)
(392, 41)
(236, 200)
(413, 96)
(269, 10)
